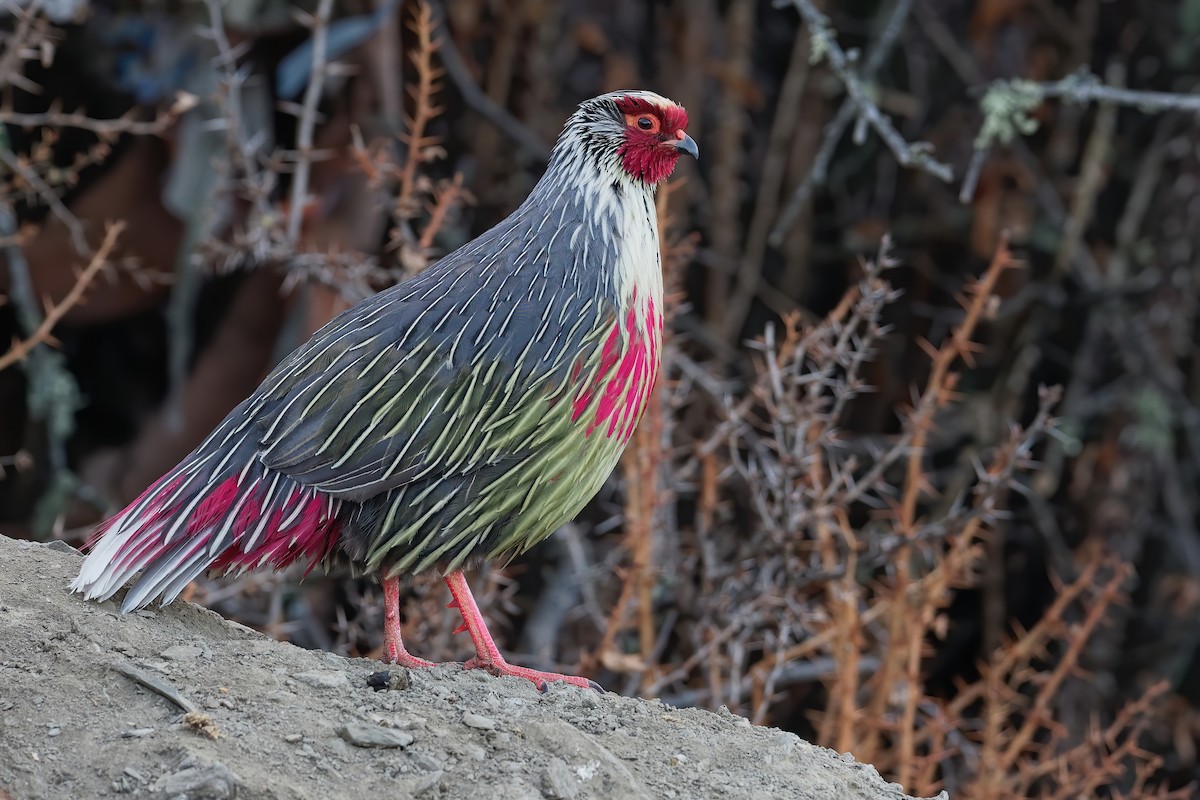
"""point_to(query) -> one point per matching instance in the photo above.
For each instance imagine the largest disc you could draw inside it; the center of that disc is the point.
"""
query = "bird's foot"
(402, 658)
(488, 656)
(393, 641)
(540, 679)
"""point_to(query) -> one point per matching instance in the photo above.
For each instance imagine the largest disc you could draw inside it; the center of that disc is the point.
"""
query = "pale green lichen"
(1006, 111)
(818, 44)
(54, 396)
(1154, 428)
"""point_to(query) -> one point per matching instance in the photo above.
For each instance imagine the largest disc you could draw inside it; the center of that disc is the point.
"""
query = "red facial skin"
(648, 152)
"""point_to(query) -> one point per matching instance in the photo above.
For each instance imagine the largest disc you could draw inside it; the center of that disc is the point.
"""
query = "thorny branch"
(48, 196)
(427, 86)
(888, 576)
(105, 128)
(22, 44)
(1008, 106)
(939, 389)
(805, 384)
(54, 313)
(832, 135)
(319, 25)
(824, 46)
(245, 149)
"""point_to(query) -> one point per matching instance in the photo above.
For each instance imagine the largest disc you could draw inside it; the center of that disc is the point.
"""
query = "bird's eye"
(646, 123)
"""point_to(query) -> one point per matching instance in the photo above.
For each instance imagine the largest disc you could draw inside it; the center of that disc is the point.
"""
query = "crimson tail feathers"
(221, 510)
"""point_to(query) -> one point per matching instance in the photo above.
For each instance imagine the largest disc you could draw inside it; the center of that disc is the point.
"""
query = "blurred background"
(920, 479)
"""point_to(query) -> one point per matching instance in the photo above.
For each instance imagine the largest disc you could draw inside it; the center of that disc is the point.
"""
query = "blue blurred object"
(151, 57)
(291, 76)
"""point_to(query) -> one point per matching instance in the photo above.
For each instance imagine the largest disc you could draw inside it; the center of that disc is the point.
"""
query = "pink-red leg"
(487, 655)
(393, 645)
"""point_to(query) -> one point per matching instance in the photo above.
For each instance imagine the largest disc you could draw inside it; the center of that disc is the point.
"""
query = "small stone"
(212, 782)
(59, 546)
(478, 721)
(414, 786)
(677, 759)
(424, 762)
(361, 734)
(54, 731)
(324, 679)
(559, 738)
(557, 781)
(181, 652)
(136, 733)
(293, 738)
(392, 680)
(409, 721)
(127, 782)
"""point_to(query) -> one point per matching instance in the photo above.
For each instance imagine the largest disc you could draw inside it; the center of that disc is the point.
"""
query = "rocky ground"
(179, 703)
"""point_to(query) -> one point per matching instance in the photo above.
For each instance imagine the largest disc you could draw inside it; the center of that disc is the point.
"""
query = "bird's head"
(640, 133)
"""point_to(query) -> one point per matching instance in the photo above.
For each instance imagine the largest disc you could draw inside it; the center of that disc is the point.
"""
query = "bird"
(458, 417)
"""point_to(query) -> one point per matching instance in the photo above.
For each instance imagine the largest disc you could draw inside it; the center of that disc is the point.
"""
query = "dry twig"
(916, 155)
(54, 313)
(319, 26)
(834, 131)
(104, 128)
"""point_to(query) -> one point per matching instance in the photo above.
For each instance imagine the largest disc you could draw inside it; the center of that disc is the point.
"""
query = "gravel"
(91, 706)
(361, 734)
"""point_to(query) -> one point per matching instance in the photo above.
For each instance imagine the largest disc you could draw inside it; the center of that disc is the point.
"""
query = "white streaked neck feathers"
(618, 226)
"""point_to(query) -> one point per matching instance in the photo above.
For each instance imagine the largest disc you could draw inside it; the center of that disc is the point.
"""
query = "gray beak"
(687, 145)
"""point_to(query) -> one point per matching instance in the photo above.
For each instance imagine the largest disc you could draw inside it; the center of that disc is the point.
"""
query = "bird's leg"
(393, 645)
(487, 655)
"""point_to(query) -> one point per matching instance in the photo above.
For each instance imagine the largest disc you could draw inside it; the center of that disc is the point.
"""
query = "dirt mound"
(179, 703)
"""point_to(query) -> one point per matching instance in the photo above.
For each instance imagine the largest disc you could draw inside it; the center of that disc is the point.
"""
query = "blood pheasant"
(464, 414)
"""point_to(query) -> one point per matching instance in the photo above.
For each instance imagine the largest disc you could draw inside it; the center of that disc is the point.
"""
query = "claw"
(403, 658)
(488, 656)
(541, 680)
(595, 687)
